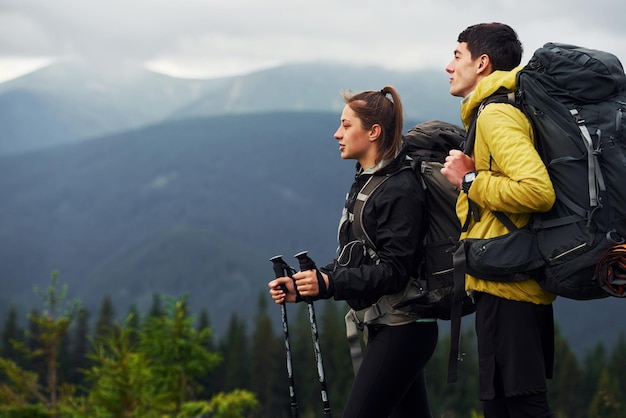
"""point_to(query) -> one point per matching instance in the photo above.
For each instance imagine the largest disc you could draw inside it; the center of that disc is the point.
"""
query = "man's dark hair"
(497, 40)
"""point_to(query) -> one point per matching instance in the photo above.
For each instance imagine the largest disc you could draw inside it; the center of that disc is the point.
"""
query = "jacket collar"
(485, 88)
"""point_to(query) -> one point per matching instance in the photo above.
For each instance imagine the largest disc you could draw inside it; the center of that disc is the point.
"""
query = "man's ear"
(484, 65)
(375, 131)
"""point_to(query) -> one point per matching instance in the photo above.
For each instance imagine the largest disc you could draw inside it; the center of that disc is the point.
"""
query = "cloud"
(214, 37)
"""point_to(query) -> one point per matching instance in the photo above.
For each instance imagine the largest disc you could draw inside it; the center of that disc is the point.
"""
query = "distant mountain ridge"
(67, 102)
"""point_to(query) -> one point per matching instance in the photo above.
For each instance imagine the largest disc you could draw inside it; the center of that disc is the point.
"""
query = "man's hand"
(457, 164)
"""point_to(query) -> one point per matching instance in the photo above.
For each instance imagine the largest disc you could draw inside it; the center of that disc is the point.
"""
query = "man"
(514, 320)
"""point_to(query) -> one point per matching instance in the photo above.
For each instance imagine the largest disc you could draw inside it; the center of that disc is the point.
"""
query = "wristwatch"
(468, 178)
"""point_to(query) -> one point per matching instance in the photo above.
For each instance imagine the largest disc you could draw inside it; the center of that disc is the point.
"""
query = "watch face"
(469, 176)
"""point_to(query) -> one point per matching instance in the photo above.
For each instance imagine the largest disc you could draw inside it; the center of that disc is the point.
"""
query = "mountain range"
(137, 183)
(69, 101)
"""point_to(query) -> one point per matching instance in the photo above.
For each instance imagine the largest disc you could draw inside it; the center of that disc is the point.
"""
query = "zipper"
(571, 250)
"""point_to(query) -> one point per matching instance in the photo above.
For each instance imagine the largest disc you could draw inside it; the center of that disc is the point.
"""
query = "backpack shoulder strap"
(357, 213)
(356, 217)
(499, 97)
(503, 97)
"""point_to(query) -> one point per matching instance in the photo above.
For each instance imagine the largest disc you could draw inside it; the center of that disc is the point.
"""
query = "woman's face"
(355, 143)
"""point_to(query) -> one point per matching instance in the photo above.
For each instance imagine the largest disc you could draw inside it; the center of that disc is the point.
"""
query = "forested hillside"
(167, 362)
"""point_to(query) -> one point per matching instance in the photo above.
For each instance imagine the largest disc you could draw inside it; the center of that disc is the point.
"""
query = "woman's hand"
(282, 290)
(308, 284)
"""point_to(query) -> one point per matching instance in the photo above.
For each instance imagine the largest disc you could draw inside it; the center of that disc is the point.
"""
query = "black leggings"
(390, 381)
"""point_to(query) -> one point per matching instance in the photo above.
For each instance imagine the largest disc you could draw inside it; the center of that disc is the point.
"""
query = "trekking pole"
(306, 263)
(281, 269)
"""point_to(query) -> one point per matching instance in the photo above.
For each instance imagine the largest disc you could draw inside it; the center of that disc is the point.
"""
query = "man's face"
(463, 70)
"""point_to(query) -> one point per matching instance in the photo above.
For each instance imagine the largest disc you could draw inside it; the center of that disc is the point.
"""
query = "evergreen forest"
(167, 363)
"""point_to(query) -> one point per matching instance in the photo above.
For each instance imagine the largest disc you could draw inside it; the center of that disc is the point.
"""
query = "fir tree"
(304, 365)
(235, 369)
(106, 317)
(617, 365)
(337, 359)
(595, 362)
(265, 380)
(53, 326)
(79, 349)
(564, 388)
(11, 335)
(607, 402)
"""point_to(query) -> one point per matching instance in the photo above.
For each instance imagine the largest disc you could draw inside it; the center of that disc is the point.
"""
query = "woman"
(390, 380)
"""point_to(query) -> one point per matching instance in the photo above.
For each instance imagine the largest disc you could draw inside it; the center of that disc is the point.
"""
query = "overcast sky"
(211, 38)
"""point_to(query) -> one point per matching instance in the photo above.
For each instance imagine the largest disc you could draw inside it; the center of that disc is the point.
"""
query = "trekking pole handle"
(278, 261)
(281, 269)
(306, 263)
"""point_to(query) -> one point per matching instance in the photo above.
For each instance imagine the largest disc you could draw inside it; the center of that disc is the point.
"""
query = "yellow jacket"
(511, 179)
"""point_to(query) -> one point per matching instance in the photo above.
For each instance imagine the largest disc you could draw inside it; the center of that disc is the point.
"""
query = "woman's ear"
(375, 131)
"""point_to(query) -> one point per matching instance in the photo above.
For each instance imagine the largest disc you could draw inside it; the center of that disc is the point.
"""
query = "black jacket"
(393, 217)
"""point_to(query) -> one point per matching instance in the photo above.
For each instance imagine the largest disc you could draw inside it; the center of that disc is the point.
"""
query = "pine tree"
(564, 388)
(617, 365)
(336, 351)
(204, 323)
(123, 382)
(209, 381)
(304, 365)
(157, 377)
(265, 380)
(595, 362)
(39, 386)
(177, 351)
(156, 309)
(36, 364)
(133, 323)
(53, 325)
(79, 349)
(235, 369)
(607, 402)
(11, 334)
(459, 398)
(106, 318)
